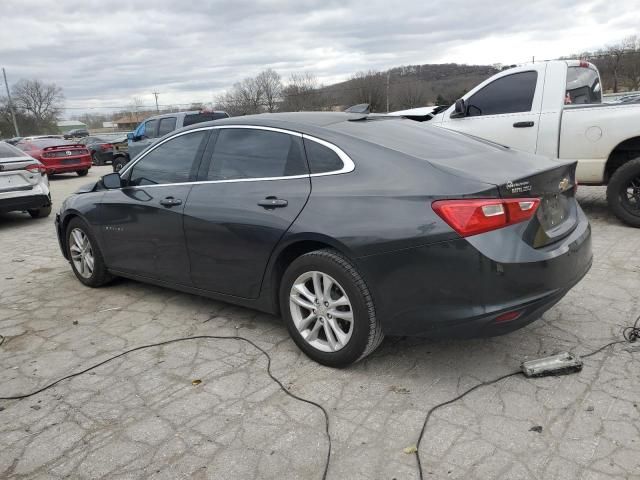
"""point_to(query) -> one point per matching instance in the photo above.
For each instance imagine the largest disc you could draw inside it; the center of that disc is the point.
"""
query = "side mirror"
(460, 109)
(112, 180)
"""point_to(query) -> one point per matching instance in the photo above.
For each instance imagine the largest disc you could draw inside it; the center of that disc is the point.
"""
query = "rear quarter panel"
(590, 133)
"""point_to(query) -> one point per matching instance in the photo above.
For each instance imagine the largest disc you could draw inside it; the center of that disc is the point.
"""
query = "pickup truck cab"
(156, 127)
(555, 109)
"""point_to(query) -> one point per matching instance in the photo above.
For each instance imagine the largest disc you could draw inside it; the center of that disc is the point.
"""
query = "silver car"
(24, 185)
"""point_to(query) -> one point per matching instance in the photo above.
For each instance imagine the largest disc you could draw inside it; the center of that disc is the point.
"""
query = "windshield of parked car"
(583, 86)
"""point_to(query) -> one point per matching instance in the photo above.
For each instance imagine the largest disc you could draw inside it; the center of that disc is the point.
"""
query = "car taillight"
(474, 216)
(35, 168)
(106, 146)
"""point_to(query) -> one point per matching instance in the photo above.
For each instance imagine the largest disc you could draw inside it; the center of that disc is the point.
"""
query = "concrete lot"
(141, 416)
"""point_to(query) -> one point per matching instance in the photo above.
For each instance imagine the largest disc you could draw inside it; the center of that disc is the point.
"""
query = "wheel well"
(288, 255)
(625, 151)
(63, 229)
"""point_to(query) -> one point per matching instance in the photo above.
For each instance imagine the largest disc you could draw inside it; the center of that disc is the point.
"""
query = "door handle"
(170, 202)
(523, 124)
(273, 202)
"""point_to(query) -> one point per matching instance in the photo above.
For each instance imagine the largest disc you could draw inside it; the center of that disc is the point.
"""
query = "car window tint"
(167, 125)
(150, 128)
(321, 159)
(249, 153)
(583, 86)
(193, 118)
(510, 94)
(171, 162)
(7, 151)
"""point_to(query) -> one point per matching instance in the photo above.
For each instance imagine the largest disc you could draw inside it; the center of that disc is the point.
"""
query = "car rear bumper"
(104, 157)
(26, 202)
(461, 288)
(63, 167)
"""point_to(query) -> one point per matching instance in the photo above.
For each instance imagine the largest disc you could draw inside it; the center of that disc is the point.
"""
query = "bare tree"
(271, 86)
(410, 94)
(369, 87)
(301, 93)
(613, 58)
(41, 100)
(631, 62)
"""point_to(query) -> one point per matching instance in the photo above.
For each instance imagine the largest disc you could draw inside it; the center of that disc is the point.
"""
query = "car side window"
(510, 94)
(167, 125)
(321, 159)
(252, 153)
(150, 128)
(171, 162)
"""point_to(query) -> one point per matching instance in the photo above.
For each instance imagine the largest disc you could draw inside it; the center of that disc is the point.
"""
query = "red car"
(58, 156)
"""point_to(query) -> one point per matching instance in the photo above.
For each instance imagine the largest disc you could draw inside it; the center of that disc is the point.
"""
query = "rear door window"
(151, 128)
(167, 125)
(321, 159)
(510, 94)
(583, 86)
(251, 153)
(171, 162)
(193, 118)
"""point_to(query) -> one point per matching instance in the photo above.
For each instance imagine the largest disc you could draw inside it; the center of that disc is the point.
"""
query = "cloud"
(105, 53)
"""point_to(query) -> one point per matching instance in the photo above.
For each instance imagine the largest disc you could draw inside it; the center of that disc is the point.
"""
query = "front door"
(253, 187)
(142, 223)
(506, 111)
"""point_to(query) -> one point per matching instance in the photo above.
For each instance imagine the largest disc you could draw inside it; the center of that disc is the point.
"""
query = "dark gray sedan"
(349, 226)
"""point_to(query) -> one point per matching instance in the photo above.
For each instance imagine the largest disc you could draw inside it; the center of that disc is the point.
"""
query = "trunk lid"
(556, 215)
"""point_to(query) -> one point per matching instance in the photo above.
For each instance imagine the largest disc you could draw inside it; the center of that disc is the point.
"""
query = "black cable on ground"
(630, 334)
(198, 337)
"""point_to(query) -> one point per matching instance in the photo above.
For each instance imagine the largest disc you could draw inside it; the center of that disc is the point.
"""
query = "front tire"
(85, 255)
(96, 160)
(328, 309)
(82, 173)
(40, 212)
(623, 193)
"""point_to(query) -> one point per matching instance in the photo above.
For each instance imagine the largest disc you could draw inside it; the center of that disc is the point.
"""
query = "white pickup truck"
(555, 109)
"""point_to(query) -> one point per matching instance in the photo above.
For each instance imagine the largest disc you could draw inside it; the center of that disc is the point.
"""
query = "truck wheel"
(118, 163)
(623, 193)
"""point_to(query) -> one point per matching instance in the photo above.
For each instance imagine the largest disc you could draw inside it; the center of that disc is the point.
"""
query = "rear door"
(505, 111)
(254, 183)
(142, 223)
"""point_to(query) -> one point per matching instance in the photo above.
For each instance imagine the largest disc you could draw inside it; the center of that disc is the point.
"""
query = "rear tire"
(82, 173)
(118, 163)
(85, 255)
(623, 193)
(40, 212)
(323, 331)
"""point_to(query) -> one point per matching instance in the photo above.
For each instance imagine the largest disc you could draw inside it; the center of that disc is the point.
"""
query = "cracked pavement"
(141, 416)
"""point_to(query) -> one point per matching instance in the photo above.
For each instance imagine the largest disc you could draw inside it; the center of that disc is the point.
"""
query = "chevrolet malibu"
(349, 226)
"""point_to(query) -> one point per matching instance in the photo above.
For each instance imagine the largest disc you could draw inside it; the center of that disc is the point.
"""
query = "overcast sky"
(105, 52)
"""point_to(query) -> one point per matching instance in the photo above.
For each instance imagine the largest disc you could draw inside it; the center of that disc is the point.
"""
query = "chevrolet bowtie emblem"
(564, 184)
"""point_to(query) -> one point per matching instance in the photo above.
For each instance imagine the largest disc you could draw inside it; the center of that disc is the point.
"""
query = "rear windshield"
(192, 118)
(8, 151)
(44, 143)
(583, 86)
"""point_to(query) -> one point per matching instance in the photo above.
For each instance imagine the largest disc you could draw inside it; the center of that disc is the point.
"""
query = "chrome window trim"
(347, 163)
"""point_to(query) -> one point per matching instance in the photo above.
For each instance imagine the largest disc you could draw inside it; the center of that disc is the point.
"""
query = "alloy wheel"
(81, 253)
(321, 311)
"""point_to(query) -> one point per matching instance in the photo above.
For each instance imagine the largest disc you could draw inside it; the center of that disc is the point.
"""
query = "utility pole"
(388, 77)
(155, 94)
(13, 114)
